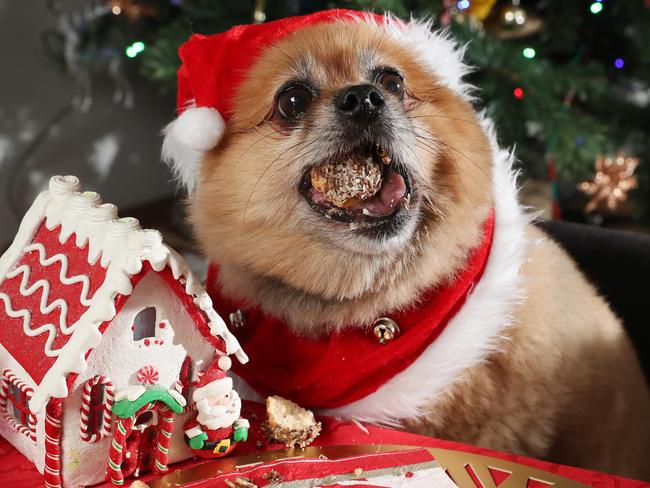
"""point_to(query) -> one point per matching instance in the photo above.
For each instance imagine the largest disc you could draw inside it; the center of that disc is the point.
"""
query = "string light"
(462, 4)
(134, 49)
(529, 52)
(518, 93)
(596, 7)
(619, 63)
(116, 10)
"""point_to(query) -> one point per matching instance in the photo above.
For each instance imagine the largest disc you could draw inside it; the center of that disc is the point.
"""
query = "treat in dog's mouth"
(365, 186)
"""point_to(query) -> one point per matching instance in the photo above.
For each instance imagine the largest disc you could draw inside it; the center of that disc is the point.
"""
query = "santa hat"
(214, 66)
(213, 381)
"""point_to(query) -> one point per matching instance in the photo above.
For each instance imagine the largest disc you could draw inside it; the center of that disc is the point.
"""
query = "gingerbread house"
(94, 311)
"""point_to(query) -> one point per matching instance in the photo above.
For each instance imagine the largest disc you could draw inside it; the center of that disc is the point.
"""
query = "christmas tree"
(564, 81)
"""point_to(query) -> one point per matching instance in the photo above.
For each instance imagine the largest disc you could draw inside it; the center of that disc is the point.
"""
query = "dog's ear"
(195, 131)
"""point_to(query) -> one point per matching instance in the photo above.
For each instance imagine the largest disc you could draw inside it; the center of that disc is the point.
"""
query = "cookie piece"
(348, 182)
(289, 423)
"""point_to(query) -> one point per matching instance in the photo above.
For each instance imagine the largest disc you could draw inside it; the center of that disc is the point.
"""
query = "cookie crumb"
(273, 477)
(361, 426)
(241, 483)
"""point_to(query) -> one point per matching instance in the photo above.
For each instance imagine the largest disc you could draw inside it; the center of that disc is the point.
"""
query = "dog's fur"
(566, 384)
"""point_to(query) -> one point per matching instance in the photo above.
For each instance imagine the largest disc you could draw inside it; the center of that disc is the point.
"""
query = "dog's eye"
(294, 102)
(392, 83)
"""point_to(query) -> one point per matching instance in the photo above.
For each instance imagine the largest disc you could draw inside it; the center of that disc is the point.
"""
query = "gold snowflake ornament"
(612, 182)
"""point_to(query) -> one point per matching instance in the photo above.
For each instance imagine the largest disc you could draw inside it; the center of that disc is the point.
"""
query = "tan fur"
(567, 386)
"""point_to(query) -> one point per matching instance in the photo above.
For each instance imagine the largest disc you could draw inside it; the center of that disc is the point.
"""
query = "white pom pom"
(224, 363)
(199, 128)
(196, 131)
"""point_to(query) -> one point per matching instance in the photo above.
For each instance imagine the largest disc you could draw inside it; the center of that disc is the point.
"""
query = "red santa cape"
(341, 368)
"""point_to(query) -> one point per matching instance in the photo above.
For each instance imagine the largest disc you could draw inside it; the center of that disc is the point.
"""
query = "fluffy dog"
(531, 360)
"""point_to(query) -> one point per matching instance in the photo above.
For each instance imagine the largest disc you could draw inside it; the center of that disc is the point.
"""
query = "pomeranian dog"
(370, 251)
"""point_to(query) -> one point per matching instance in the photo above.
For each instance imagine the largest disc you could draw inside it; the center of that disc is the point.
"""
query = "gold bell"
(385, 329)
(237, 319)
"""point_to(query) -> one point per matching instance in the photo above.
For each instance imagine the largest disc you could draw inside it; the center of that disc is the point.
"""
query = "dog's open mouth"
(366, 186)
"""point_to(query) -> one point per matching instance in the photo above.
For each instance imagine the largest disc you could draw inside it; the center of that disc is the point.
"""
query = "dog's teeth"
(383, 155)
(406, 201)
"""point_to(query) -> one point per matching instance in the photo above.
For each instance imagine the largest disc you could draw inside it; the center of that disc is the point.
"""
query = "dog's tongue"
(390, 195)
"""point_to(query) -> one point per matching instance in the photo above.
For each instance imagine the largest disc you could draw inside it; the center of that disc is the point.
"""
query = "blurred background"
(87, 86)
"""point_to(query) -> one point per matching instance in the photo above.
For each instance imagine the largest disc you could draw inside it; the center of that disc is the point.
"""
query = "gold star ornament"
(613, 180)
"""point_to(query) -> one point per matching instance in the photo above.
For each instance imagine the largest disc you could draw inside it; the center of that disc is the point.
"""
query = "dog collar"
(344, 367)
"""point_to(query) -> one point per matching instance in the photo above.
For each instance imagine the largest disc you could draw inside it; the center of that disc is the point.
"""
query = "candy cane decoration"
(52, 471)
(8, 378)
(109, 398)
(165, 428)
(123, 428)
(116, 454)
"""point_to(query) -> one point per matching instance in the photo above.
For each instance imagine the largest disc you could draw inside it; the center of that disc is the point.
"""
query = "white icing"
(122, 247)
(63, 273)
(26, 316)
(45, 307)
(131, 393)
(180, 399)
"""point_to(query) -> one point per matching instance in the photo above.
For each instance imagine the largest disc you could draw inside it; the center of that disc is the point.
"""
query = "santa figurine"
(217, 427)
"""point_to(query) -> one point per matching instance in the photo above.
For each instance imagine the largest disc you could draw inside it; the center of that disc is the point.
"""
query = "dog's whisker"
(442, 151)
(440, 141)
(268, 167)
(444, 117)
(257, 142)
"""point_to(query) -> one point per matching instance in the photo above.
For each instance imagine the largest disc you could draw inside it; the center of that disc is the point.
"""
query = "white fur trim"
(186, 139)
(476, 330)
(217, 387)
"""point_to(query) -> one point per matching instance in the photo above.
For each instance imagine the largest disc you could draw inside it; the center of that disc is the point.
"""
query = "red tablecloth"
(17, 472)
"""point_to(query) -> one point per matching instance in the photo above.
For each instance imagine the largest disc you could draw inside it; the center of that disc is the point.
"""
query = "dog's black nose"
(360, 103)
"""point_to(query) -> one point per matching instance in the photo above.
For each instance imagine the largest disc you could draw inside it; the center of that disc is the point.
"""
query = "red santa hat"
(213, 381)
(214, 66)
